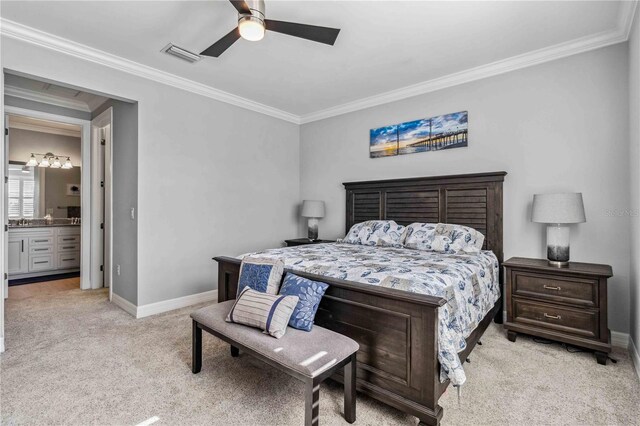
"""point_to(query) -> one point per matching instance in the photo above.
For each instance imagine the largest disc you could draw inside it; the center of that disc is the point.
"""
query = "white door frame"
(101, 121)
(85, 200)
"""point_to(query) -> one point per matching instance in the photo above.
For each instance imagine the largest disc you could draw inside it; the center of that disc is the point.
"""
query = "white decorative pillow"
(375, 233)
(270, 313)
(419, 236)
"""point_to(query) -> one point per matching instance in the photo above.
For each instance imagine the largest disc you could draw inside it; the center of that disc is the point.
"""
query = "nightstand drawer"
(572, 290)
(578, 322)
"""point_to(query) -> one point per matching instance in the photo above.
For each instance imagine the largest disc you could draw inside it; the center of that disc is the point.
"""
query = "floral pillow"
(419, 236)
(260, 274)
(443, 238)
(375, 233)
(309, 294)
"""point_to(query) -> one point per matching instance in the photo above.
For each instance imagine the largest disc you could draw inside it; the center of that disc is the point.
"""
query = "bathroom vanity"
(39, 250)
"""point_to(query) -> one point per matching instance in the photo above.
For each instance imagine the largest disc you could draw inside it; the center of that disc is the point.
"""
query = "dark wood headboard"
(473, 200)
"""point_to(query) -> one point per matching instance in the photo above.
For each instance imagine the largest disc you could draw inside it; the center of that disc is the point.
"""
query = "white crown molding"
(36, 37)
(626, 16)
(45, 129)
(514, 63)
(619, 35)
(30, 95)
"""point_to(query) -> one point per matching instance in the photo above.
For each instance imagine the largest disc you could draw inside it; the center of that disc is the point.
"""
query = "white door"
(101, 135)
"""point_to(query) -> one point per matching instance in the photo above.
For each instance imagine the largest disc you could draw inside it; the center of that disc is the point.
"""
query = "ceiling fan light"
(32, 161)
(251, 28)
(56, 163)
(67, 164)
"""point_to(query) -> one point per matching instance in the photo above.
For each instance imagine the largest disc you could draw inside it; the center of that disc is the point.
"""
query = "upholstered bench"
(310, 356)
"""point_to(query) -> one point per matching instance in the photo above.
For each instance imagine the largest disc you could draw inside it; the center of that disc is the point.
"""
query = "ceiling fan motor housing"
(257, 9)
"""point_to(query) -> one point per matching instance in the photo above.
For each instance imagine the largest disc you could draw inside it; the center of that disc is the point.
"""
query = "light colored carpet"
(74, 358)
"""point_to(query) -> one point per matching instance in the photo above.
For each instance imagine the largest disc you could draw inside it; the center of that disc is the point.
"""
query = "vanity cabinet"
(18, 255)
(46, 250)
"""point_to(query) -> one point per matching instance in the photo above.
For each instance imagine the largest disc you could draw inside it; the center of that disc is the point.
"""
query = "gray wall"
(213, 179)
(51, 109)
(23, 142)
(125, 196)
(560, 126)
(634, 121)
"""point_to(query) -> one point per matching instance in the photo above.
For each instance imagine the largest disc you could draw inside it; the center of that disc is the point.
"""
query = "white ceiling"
(382, 46)
(39, 91)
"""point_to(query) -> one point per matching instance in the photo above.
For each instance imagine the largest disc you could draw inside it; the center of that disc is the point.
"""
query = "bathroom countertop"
(55, 225)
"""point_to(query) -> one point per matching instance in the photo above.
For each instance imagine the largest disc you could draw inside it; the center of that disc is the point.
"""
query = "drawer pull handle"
(69, 247)
(550, 287)
(68, 239)
(546, 315)
(44, 249)
(40, 241)
(44, 261)
(67, 260)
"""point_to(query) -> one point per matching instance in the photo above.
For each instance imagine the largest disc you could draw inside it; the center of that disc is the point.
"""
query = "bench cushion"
(307, 353)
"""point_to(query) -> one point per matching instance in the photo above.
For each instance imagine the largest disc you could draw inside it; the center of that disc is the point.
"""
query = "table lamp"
(558, 211)
(313, 210)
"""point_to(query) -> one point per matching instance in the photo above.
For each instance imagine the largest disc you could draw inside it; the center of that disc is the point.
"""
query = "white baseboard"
(177, 303)
(635, 356)
(620, 340)
(123, 303)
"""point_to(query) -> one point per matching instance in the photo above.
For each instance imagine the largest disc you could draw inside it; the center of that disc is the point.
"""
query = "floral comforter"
(469, 283)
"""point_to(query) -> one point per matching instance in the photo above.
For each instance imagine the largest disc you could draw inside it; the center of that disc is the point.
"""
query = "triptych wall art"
(430, 134)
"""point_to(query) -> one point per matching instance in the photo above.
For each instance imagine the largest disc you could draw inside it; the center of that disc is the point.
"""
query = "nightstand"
(566, 304)
(304, 241)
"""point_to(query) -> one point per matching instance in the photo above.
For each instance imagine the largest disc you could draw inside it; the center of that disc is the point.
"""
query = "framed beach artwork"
(429, 134)
(383, 141)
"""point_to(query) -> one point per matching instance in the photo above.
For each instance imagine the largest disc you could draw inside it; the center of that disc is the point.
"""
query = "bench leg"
(235, 352)
(350, 390)
(312, 403)
(196, 355)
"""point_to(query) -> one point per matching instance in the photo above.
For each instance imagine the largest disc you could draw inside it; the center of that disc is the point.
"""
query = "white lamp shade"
(558, 208)
(313, 208)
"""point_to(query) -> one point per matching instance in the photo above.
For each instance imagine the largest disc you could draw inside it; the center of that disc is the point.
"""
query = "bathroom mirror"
(34, 192)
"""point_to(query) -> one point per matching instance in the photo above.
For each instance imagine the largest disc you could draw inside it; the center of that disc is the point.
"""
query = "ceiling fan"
(252, 25)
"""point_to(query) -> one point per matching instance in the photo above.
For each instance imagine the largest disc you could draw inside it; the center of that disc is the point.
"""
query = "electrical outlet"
(118, 269)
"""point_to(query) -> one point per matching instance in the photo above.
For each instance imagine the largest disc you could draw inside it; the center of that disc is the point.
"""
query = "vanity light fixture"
(49, 160)
(67, 164)
(32, 161)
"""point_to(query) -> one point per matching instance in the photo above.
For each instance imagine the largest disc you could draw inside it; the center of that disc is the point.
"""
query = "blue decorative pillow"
(260, 274)
(309, 294)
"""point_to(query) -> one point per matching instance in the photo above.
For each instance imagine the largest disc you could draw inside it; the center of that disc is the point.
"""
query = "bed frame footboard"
(397, 333)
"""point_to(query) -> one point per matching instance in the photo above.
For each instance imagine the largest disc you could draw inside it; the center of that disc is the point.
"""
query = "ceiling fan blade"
(310, 32)
(218, 48)
(241, 6)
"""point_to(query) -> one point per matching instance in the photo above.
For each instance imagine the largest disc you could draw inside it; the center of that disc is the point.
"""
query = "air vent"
(181, 53)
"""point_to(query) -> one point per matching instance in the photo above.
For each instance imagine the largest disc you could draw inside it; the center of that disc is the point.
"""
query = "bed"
(397, 327)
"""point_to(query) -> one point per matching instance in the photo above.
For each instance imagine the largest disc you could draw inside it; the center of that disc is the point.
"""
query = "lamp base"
(558, 245)
(312, 232)
(557, 264)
